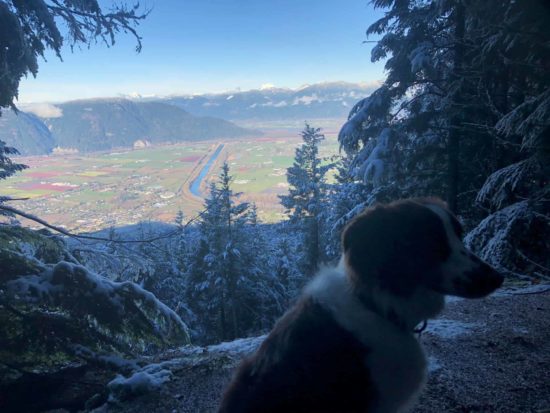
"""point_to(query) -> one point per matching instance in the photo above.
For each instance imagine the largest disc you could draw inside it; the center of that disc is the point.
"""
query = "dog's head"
(414, 243)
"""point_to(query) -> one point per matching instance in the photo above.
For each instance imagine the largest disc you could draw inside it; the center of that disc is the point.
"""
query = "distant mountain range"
(103, 124)
(331, 100)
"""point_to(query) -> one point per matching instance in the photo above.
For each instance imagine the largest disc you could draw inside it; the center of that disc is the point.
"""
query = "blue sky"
(198, 46)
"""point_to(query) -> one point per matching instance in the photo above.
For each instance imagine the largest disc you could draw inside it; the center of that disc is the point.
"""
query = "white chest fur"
(398, 371)
(396, 361)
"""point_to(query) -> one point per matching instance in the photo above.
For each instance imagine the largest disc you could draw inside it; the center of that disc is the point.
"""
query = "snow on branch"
(501, 187)
(503, 238)
(372, 169)
(421, 57)
(369, 110)
(123, 310)
(529, 120)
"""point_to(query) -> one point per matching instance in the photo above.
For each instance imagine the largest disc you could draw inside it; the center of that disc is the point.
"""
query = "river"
(195, 186)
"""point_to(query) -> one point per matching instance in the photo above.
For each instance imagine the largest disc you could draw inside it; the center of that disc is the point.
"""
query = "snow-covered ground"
(241, 346)
(489, 355)
(446, 329)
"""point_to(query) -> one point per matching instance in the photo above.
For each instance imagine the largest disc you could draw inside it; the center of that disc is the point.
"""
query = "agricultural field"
(95, 191)
(259, 170)
(85, 193)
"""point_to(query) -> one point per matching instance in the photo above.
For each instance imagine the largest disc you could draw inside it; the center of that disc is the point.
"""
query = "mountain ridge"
(108, 123)
(327, 100)
(328, 84)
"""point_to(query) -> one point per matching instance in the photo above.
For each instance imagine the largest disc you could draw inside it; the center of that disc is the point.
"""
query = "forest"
(463, 114)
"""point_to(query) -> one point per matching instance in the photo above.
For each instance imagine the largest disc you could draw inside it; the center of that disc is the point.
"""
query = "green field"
(89, 192)
(259, 170)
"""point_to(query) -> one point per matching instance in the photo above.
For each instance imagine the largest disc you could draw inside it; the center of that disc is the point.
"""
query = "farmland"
(95, 191)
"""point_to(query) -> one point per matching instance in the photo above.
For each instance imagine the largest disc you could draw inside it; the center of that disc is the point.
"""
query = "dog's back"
(308, 363)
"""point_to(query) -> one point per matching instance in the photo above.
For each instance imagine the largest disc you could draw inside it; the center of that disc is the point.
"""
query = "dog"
(348, 344)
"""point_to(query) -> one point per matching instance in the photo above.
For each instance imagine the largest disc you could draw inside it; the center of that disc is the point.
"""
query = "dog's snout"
(483, 280)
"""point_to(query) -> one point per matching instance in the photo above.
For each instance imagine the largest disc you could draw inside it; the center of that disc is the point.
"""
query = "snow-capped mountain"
(330, 100)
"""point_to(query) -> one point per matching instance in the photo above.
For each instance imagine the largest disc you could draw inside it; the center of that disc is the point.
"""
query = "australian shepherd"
(348, 345)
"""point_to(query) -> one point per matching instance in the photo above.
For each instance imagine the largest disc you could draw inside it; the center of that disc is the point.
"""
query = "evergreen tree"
(7, 166)
(181, 244)
(347, 197)
(229, 286)
(515, 41)
(305, 201)
(284, 263)
(463, 114)
(406, 135)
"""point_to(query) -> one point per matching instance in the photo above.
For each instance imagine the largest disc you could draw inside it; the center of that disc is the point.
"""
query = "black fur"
(307, 364)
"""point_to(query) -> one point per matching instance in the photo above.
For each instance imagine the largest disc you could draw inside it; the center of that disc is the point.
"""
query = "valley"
(89, 192)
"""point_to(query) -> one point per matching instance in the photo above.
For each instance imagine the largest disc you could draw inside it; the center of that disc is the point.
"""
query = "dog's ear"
(393, 245)
(372, 242)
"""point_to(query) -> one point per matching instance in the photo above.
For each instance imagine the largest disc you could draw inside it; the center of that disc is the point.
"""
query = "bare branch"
(14, 199)
(91, 237)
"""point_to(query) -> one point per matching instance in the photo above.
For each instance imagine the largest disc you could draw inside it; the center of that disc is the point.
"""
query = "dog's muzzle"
(478, 282)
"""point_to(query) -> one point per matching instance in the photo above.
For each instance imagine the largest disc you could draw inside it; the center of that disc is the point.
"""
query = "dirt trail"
(490, 355)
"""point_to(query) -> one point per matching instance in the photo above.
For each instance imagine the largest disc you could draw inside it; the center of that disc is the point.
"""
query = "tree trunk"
(234, 319)
(453, 146)
(315, 243)
(223, 320)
